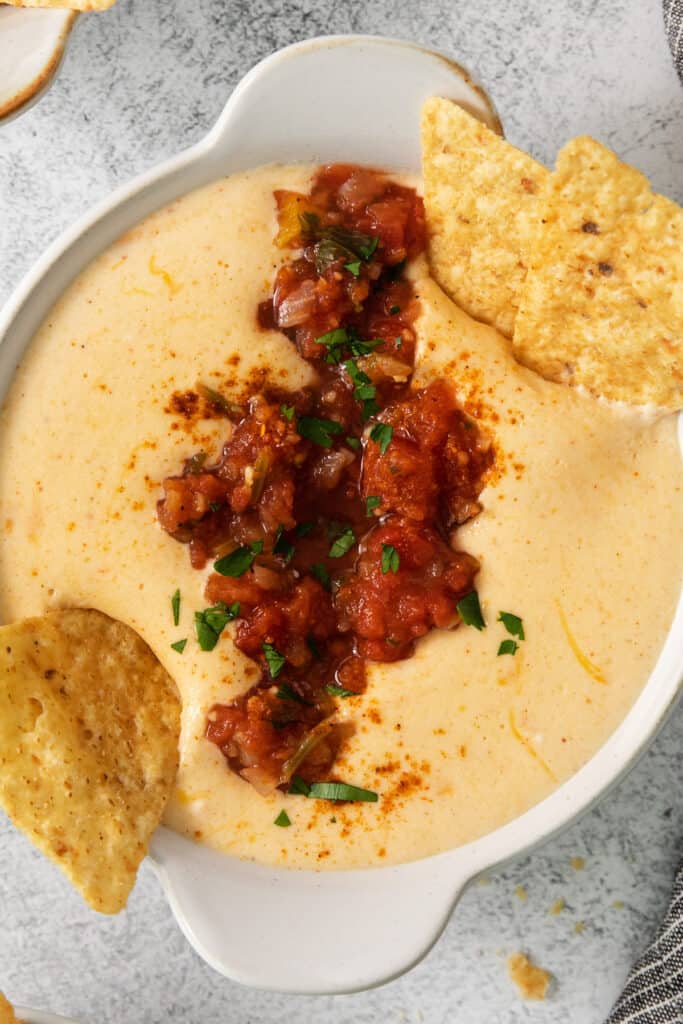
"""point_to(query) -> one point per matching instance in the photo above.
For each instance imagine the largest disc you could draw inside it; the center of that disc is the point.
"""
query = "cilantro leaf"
(297, 785)
(339, 691)
(238, 561)
(390, 559)
(319, 431)
(372, 502)
(179, 645)
(285, 692)
(382, 434)
(353, 268)
(282, 820)
(343, 543)
(288, 412)
(320, 573)
(275, 660)
(508, 647)
(469, 610)
(282, 546)
(211, 622)
(353, 443)
(512, 623)
(175, 607)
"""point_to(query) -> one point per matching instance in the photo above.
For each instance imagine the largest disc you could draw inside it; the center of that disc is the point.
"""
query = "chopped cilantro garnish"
(319, 431)
(313, 647)
(288, 412)
(364, 390)
(394, 310)
(335, 242)
(179, 645)
(372, 502)
(512, 623)
(211, 622)
(303, 529)
(282, 547)
(215, 506)
(238, 561)
(175, 607)
(390, 559)
(275, 660)
(343, 543)
(353, 268)
(382, 434)
(399, 342)
(285, 691)
(469, 610)
(331, 791)
(507, 647)
(353, 443)
(335, 342)
(339, 691)
(282, 820)
(322, 575)
(298, 785)
(341, 791)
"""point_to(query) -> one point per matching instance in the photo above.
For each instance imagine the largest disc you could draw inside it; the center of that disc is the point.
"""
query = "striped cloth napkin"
(654, 990)
(673, 23)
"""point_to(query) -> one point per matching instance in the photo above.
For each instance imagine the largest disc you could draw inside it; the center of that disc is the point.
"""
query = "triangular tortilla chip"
(602, 303)
(89, 727)
(479, 191)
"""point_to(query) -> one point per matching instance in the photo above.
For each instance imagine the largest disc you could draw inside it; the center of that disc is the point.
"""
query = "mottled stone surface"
(138, 84)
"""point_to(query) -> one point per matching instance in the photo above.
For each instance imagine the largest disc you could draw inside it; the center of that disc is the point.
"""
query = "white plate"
(349, 99)
(32, 42)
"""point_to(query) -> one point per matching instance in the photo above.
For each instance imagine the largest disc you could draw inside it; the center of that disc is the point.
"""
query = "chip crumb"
(579, 927)
(557, 907)
(520, 892)
(618, 904)
(531, 981)
(578, 863)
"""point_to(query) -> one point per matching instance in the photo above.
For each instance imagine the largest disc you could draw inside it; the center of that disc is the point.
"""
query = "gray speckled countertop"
(139, 83)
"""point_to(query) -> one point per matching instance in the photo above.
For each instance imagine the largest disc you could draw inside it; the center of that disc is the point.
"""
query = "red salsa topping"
(331, 513)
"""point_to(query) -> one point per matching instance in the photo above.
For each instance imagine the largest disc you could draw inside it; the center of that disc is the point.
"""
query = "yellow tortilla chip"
(6, 1012)
(602, 304)
(479, 191)
(89, 727)
(72, 5)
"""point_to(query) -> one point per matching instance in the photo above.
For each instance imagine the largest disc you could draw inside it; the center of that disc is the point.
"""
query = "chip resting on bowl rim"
(479, 193)
(602, 302)
(89, 726)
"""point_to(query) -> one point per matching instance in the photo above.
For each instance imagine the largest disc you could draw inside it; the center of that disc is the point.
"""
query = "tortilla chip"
(89, 727)
(479, 191)
(72, 5)
(6, 1012)
(602, 304)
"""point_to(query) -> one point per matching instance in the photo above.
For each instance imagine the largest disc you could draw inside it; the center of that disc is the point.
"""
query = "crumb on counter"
(532, 981)
(520, 892)
(557, 907)
(578, 863)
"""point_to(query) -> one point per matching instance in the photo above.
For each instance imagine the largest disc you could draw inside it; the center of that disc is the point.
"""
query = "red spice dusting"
(348, 492)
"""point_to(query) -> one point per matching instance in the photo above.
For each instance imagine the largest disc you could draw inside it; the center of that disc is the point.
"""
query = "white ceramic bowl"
(349, 99)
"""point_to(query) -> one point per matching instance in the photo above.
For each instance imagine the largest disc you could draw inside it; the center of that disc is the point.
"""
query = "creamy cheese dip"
(581, 535)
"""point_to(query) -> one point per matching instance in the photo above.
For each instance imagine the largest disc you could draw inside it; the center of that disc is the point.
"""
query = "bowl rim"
(429, 887)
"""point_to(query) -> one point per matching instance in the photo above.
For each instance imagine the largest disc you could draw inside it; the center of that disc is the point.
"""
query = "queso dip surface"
(581, 535)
